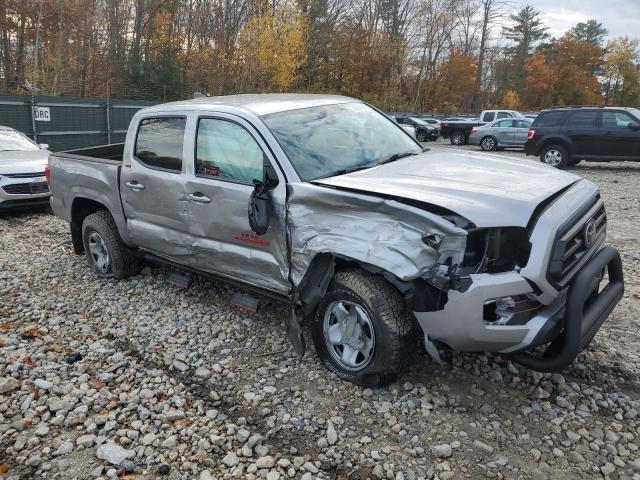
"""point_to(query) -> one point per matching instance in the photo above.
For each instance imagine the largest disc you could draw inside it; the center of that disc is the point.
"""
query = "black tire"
(395, 331)
(556, 156)
(421, 136)
(458, 138)
(122, 260)
(488, 143)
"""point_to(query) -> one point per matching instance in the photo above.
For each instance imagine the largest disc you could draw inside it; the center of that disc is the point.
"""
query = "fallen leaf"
(4, 468)
(95, 383)
(4, 327)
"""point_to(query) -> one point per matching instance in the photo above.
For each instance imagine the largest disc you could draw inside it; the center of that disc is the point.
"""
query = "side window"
(159, 142)
(583, 119)
(504, 115)
(226, 151)
(550, 119)
(521, 124)
(489, 116)
(612, 119)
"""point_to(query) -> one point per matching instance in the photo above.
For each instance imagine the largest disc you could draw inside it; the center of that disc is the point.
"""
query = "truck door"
(152, 188)
(618, 139)
(229, 155)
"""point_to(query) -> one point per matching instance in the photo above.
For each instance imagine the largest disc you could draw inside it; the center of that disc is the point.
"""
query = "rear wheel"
(421, 136)
(107, 254)
(362, 330)
(555, 155)
(458, 138)
(488, 144)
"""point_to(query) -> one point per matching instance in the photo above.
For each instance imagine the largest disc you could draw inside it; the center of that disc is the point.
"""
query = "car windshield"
(419, 121)
(331, 139)
(635, 112)
(14, 141)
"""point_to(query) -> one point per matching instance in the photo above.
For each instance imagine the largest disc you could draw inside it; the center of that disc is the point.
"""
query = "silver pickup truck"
(374, 244)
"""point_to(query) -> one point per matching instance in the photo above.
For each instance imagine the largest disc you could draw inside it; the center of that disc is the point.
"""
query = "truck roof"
(259, 104)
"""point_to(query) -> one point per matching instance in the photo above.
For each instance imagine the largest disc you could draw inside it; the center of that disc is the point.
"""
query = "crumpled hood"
(23, 161)
(487, 189)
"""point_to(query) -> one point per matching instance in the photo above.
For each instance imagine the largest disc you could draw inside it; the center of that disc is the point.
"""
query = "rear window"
(583, 119)
(159, 142)
(504, 115)
(550, 119)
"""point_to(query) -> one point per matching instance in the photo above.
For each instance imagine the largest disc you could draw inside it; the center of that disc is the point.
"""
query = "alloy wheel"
(99, 253)
(348, 334)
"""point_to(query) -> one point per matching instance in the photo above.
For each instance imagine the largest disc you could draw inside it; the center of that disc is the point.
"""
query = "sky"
(620, 17)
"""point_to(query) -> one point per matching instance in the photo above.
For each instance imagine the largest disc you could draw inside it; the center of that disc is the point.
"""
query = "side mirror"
(635, 126)
(259, 201)
(44, 146)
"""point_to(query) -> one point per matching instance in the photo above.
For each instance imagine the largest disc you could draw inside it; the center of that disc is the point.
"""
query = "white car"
(22, 171)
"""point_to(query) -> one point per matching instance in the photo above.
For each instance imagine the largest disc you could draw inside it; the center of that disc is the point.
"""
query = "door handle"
(134, 185)
(198, 197)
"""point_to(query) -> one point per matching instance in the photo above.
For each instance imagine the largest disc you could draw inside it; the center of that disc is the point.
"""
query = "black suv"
(424, 131)
(564, 136)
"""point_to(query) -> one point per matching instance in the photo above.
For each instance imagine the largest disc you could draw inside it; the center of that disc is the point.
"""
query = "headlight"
(450, 247)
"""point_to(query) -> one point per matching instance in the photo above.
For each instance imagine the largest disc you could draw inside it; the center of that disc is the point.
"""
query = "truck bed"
(112, 153)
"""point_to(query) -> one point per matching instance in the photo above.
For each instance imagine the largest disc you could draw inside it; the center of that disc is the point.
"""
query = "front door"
(618, 139)
(152, 188)
(228, 157)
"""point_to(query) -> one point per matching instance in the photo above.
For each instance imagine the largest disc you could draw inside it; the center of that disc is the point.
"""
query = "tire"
(555, 156)
(488, 143)
(421, 136)
(388, 329)
(458, 138)
(100, 236)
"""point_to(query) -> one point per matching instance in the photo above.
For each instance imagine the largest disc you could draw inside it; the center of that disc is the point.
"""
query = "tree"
(526, 30)
(492, 11)
(539, 83)
(590, 31)
(621, 72)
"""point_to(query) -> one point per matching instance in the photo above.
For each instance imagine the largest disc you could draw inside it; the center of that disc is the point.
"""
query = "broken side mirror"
(259, 202)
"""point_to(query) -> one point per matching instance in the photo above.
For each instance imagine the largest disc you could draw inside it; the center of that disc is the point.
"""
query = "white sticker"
(42, 114)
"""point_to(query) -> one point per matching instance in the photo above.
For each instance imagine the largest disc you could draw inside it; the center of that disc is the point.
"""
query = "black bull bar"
(586, 310)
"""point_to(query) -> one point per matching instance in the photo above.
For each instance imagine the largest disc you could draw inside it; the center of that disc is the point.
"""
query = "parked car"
(22, 166)
(423, 130)
(316, 201)
(407, 128)
(564, 136)
(434, 122)
(458, 131)
(501, 134)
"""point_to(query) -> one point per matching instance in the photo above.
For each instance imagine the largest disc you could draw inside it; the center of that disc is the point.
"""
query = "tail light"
(530, 134)
(47, 174)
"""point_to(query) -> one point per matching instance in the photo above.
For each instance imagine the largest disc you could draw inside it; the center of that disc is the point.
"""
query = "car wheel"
(555, 155)
(488, 144)
(362, 330)
(106, 254)
(421, 136)
(457, 138)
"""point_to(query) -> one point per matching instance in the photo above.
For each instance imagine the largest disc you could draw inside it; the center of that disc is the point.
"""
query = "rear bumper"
(568, 323)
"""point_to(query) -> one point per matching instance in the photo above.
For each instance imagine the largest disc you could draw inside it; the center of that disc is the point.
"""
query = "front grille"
(576, 242)
(26, 188)
(23, 175)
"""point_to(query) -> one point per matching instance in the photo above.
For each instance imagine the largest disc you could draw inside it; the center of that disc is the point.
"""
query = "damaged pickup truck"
(326, 204)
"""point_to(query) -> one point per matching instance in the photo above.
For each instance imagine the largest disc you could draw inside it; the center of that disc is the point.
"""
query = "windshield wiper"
(394, 157)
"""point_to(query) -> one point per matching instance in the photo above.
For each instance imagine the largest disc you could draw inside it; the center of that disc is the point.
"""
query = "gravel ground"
(139, 379)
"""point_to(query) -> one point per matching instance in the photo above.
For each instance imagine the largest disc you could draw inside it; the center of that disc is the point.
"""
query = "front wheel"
(458, 138)
(421, 136)
(107, 254)
(362, 330)
(556, 156)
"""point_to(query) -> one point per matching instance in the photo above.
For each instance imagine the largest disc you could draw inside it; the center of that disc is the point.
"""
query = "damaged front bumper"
(568, 323)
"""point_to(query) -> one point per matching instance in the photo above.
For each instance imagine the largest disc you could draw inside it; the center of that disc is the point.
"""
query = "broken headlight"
(494, 250)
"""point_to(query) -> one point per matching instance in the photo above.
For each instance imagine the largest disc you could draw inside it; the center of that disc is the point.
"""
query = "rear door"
(152, 188)
(519, 132)
(229, 155)
(502, 130)
(583, 131)
(617, 138)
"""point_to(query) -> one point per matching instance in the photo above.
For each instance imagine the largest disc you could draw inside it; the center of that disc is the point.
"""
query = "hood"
(489, 190)
(23, 161)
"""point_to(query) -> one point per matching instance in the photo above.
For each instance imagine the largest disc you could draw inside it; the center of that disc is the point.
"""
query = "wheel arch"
(563, 142)
(81, 207)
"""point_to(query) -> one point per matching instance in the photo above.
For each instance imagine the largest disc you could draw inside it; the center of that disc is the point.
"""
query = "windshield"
(14, 141)
(419, 121)
(320, 141)
(635, 112)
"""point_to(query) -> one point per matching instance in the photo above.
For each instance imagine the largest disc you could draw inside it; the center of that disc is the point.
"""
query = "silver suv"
(376, 246)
